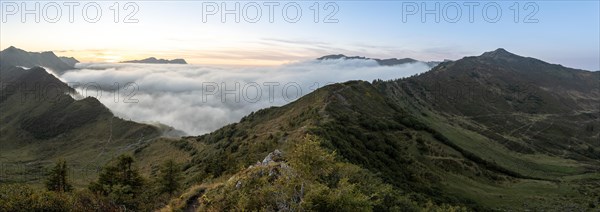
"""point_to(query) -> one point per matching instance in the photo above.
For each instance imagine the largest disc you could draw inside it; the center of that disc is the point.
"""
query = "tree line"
(119, 186)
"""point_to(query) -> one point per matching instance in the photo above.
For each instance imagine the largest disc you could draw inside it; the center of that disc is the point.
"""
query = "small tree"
(121, 182)
(57, 179)
(169, 177)
(310, 159)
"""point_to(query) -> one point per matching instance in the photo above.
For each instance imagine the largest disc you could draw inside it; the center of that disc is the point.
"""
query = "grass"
(510, 196)
(534, 165)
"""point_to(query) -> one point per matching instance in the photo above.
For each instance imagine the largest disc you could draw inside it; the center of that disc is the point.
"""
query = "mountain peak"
(501, 50)
(12, 49)
(13, 56)
(49, 53)
(499, 53)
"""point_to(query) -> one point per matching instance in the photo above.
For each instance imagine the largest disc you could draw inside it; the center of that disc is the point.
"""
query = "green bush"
(17, 197)
(307, 178)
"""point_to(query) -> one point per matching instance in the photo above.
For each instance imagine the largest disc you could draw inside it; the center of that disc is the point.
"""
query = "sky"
(563, 32)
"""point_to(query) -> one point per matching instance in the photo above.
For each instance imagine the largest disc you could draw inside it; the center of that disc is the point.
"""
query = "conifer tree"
(169, 177)
(58, 179)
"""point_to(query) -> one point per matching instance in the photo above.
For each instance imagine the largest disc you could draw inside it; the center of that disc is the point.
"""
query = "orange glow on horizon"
(109, 56)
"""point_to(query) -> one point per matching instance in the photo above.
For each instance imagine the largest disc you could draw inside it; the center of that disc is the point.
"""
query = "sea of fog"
(199, 99)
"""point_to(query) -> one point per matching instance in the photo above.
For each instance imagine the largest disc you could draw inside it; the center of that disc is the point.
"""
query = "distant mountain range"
(13, 56)
(153, 60)
(382, 62)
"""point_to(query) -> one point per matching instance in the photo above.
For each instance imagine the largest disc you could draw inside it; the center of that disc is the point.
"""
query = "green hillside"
(41, 123)
(496, 132)
(432, 147)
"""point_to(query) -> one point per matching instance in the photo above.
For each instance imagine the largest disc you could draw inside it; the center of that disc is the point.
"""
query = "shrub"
(313, 181)
(17, 197)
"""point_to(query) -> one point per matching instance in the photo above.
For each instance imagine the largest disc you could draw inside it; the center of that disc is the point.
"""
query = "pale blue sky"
(567, 32)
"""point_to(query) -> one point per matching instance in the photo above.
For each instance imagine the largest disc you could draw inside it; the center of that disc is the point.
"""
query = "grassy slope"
(364, 127)
(39, 129)
(540, 141)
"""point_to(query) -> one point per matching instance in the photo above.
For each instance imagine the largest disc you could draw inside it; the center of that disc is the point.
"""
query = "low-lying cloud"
(199, 99)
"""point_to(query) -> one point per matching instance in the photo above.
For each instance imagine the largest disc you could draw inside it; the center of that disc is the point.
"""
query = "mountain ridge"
(153, 60)
(13, 56)
(69, 60)
(440, 146)
(381, 62)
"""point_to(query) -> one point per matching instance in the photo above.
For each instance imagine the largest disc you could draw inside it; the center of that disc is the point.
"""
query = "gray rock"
(274, 156)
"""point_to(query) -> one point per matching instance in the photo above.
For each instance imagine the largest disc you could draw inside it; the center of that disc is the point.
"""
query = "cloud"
(199, 99)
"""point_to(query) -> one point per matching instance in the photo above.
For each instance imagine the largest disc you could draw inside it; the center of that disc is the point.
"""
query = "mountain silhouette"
(382, 62)
(153, 60)
(13, 56)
